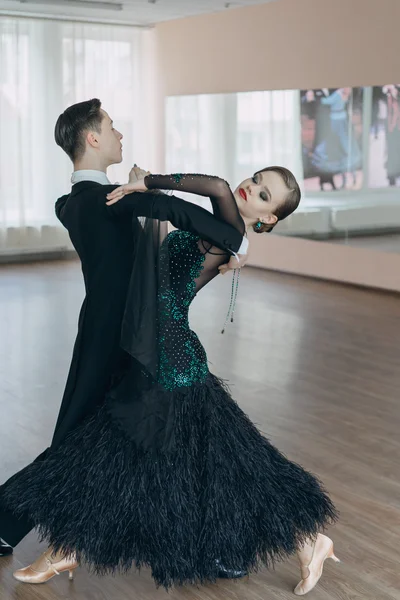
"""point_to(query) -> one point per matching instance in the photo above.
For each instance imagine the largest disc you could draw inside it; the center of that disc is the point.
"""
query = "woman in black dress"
(170, 473)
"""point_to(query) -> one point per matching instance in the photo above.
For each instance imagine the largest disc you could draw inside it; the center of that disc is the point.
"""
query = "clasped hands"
(136, 184)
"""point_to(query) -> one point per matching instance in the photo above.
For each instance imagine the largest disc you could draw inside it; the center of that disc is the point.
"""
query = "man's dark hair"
(73, 123)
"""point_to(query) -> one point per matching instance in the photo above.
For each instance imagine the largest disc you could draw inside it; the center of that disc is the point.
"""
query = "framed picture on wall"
(331, 135)
(384, 139)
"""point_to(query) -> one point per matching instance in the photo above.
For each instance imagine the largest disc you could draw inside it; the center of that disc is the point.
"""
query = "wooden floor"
(316, 366)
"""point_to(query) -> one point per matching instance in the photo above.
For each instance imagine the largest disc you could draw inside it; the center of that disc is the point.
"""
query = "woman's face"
(259, 197)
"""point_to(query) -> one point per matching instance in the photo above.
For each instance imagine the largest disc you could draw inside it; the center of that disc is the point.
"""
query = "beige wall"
(327, 261)
(291, 44)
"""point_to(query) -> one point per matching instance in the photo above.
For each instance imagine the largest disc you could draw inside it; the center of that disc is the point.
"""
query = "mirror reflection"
(342, 144)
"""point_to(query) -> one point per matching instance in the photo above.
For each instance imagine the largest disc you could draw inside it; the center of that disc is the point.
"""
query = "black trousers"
(12, 528)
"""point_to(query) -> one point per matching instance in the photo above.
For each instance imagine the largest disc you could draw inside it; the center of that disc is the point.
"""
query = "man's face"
(109, 141)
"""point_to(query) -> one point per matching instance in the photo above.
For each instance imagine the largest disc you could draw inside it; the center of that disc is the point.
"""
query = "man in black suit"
(104, 238)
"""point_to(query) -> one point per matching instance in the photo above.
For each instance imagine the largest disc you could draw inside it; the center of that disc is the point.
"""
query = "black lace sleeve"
(222, 200)
(183, 215)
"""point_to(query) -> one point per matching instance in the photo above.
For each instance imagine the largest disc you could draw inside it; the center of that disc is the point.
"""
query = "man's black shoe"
(225, 573)
(5, 549)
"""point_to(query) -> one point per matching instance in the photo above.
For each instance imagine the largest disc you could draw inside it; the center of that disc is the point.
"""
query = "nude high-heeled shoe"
(46, 567)
(312, 559)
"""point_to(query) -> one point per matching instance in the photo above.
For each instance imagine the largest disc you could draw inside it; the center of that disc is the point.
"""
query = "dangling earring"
(258, 225)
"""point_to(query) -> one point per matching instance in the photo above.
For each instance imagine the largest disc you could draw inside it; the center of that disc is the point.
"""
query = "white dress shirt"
(90, 175)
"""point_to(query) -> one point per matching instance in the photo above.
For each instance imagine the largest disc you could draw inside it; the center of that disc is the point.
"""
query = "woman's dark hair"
(291, 201)
(73, 123)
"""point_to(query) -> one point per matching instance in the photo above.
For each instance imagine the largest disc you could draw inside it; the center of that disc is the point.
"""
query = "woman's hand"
(123, 190)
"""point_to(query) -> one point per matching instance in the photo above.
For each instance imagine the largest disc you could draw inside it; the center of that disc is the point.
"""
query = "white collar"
(90, 175)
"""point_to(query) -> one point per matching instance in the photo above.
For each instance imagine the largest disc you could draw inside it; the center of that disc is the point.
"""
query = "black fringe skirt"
(222, 492)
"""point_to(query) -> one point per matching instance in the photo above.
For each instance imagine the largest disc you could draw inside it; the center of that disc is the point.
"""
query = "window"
(44, 67)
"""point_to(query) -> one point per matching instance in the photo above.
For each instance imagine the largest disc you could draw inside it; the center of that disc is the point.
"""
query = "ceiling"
(134, 12)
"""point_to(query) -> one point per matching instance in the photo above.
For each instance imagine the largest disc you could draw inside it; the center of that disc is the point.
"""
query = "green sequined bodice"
(183, 360)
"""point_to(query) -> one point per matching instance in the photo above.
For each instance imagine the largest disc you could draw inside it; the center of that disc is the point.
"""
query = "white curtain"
(44, 67)
(233, 135)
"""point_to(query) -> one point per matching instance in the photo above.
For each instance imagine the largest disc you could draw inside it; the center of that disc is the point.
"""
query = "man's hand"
(233, 263)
